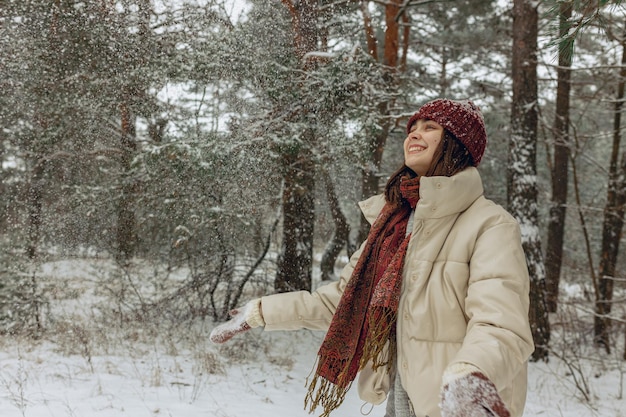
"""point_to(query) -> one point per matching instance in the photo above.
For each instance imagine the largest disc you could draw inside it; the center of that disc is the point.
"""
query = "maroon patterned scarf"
(365, 319)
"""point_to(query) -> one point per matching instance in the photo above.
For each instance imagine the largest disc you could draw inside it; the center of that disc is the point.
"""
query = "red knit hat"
(461, 118)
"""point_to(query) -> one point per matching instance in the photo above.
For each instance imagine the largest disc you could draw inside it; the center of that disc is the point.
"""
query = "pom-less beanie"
(461, 118)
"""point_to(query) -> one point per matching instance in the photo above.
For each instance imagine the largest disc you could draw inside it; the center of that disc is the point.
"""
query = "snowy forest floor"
(85, 366)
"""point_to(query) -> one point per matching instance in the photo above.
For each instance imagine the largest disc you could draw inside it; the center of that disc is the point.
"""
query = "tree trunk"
(613, 220)
(296, 256)
(370, 173)
(126, 227)
(522, 172)
(295, 261)
(34, 198)
(341, 235)
(559, 171)
(4, 212)
(30, 298)
(126, 222)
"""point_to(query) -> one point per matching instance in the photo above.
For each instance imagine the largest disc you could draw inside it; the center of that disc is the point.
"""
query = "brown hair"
(450, 158)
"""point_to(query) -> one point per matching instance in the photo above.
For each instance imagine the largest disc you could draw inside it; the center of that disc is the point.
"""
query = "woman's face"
(420, 145)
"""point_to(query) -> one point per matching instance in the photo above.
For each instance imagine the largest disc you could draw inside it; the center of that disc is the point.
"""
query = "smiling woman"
(431, 312)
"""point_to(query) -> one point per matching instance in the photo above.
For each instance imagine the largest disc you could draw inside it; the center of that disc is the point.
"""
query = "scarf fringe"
(382, 324)
(328, 395)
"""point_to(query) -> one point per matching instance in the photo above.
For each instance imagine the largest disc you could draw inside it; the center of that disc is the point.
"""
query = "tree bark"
(126, 223)
(341, 235)
(35, 205)
(370, 173)
(522, 172)
(44, 119)
(296, 256)
(295, 260)
(4, 212)
(613, 220)
(559, 171)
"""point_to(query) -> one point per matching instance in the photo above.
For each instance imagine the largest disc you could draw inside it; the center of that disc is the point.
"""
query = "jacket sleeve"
(498, 339)
(303, 309)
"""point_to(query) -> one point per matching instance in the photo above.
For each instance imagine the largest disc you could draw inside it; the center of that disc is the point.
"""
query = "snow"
(474, 393)
(87, 368)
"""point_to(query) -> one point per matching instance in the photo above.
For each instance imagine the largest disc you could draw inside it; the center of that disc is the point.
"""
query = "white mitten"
(242, 319)
(467, 392)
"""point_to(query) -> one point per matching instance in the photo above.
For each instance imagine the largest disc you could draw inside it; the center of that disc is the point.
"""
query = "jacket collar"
(439, 196)
(443, 196)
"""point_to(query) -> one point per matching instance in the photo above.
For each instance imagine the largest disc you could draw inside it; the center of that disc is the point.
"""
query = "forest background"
(213, 155)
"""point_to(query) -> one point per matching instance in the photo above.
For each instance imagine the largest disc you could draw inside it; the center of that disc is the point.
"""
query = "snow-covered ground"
(89, 368)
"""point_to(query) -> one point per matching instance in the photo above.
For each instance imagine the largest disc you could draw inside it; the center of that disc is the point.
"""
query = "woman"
(432, 310)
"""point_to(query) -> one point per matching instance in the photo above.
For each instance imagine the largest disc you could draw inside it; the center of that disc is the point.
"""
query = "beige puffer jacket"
(464, 297)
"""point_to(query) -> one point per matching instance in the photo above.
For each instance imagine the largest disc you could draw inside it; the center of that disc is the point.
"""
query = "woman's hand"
(242, 319)
(472, 395)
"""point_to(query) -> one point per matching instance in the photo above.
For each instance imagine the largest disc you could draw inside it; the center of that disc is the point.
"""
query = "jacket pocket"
(373, 386)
